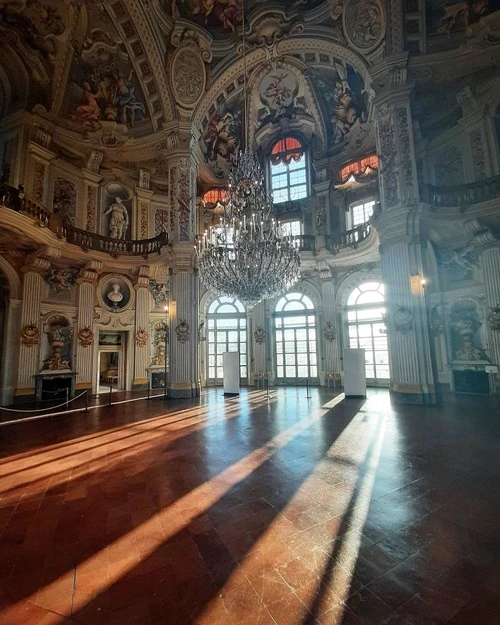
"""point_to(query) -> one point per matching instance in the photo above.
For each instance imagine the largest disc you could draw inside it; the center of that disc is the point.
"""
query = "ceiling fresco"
(222, 137)
(217, 16)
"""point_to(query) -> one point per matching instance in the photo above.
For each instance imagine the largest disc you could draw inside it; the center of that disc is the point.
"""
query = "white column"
(29, 347)
(183, 316)
(142, 339)
(329, 333)
(260, 340)
(85, 339)
(491, 273)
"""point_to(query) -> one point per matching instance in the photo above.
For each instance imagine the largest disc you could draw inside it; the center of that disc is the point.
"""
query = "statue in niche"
(118, 221)
(56, 362)
(464, 327)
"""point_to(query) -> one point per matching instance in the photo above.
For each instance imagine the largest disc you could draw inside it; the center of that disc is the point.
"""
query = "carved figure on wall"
(159, 359)
(259, 335)
(60, 279)
(330, 334)
(159, 291)
(182, 331)
(141, 338)
(459, 263)
(445, 18)
(201, 332)
(86, 337)
(56, 362)
(118, 221)
(30, 335)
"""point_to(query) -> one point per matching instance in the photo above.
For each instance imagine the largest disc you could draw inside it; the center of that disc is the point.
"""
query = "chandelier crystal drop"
(247, 255)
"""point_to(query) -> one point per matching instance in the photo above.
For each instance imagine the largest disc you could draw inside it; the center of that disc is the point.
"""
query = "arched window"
(227, 332)
(366, 328)
(296, 347)
(288, 168)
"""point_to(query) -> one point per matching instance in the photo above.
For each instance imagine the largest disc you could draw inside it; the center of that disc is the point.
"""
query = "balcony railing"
(16, 200)
(347, 239)
(306, 242)
(463, 195)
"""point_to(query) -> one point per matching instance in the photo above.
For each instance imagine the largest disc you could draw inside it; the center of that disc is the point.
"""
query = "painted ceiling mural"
(345, 99)
(222, 137)
(103, 88)
(218, 16)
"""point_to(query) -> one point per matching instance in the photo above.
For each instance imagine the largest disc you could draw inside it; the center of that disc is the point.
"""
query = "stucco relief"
(64, 202)
(364, 23)
(188, 76)
(387, 149)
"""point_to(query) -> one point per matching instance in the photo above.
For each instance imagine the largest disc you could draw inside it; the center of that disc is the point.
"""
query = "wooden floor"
(253, 510)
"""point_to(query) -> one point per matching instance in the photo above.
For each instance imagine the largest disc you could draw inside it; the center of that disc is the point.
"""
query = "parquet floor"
(253, 510)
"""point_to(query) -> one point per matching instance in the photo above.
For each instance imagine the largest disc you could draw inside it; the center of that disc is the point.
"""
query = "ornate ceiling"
(124, 76)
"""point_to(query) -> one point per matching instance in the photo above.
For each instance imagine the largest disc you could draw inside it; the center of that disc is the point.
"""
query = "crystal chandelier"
(247, 255)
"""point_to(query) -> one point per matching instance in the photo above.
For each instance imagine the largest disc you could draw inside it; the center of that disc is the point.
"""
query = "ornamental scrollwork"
(259, 335)
(494, 317)
(182, 331)
(330, 334)
(85, 337)
(30, 335)
(141, 338)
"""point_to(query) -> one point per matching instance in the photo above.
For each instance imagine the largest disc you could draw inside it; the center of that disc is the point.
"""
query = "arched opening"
(295, 339)
(366, 329)
(227, 332)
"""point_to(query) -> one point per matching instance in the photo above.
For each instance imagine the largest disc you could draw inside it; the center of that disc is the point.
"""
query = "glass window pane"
(290, 359)
(313, 372)
(290, 347)
(290, 372)
(280, 371)
(302, 347)
(313, 358)
(302, 372)
(302, 359)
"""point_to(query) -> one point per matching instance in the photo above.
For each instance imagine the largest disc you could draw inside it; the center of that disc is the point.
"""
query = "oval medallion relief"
(188, 76)
(364, 23)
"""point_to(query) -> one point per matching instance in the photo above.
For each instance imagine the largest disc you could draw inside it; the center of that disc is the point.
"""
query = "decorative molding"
(141, 338)
(30, 335)
(182, 331)
(259, 335)
(85, 337)
(330, 332)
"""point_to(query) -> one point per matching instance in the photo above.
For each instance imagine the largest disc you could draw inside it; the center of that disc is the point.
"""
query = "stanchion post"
(86, 400)
(67, 397)
(307, 388)
(149, 389)
(110, 391)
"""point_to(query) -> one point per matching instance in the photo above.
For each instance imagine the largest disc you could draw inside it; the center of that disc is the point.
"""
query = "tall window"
(227, 332)
(288, 170)
(292, 228)
(366, 327)
(296, 347)
(360, 212)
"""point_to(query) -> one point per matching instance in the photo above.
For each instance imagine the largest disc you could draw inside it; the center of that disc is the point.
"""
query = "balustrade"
(463, 195)
(15, 199)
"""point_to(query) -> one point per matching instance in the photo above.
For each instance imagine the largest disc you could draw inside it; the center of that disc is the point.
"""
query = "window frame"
(290, 184)
(361, 202)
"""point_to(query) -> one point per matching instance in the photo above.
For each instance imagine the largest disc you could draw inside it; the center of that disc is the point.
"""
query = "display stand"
(231, 372)
(354, 372)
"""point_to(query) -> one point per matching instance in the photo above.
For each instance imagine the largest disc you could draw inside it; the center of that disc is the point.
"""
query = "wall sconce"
(423, 282)
(173, 310)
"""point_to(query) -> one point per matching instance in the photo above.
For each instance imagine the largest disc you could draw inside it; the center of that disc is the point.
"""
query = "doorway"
(110, 374)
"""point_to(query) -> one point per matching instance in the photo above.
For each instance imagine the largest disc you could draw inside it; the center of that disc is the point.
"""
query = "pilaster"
(330, 331)
(91, 182)
(85, 339)
(142, 340)
(143, 212)
(38, 167)
(321, 208)
(184, 317)
(259, 340)
(29, 348)
(491, 273)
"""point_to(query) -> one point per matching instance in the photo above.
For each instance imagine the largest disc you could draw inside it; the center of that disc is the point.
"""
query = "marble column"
(184, 358)
(259, 340)
(412, 372)
(329, 332)
(491, 271)
(142, 340)
(184, 364)
(29, 347)
(84, 335)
